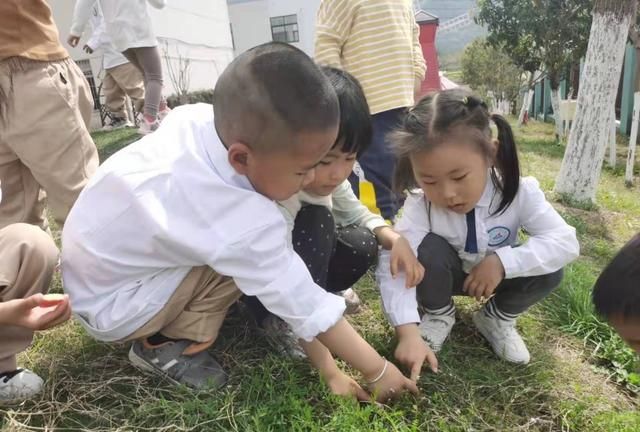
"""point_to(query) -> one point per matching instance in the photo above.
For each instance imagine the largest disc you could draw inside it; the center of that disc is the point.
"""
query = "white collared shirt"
(346, 208)
(552, 243)
(166, 204)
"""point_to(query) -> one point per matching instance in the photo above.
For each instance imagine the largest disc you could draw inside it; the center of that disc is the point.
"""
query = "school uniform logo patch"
(498, 235)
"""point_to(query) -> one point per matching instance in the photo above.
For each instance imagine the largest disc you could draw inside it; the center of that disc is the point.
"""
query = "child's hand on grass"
(343, 385)
(484, 278)
(392, 384)
(412, 351)
(403, 259)
(37, 312)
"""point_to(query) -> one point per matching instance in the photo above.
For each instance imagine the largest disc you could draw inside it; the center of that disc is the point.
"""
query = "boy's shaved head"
(270, 92)
(617, 290)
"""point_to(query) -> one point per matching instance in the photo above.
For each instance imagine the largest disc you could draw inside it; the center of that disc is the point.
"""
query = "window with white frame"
(285, 28)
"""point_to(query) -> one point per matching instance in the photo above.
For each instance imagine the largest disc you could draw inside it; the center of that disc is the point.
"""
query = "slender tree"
(488, 69)
(582, 163)
(539, 34)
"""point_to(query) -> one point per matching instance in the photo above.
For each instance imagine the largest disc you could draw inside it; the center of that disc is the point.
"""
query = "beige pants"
(118, 83)
(28, 257)
(45, 109)
(196, 310)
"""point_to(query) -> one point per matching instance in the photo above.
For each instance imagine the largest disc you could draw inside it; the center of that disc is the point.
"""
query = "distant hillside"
(451, 44)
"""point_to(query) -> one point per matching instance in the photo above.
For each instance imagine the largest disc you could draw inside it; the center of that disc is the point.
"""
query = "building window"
(285, 28)
(85, 67)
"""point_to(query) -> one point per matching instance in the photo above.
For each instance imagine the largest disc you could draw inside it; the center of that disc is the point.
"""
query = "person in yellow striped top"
(377, 42)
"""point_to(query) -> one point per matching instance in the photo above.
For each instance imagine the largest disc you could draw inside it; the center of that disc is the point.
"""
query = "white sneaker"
(116, 123)
(435, 329)
(146, 127)
(352, 301)
(283, 337)
(503, 337)
(19, 386)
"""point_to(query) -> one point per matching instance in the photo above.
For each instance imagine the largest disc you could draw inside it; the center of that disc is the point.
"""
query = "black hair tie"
(473, 102)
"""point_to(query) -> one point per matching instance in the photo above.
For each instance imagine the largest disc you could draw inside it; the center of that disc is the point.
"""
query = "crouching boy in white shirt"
(172, 229)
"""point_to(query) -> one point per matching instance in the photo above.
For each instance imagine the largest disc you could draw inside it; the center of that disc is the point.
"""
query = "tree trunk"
(554, 84)
(612, 139)
(633, 139)
(582, 163)
(527, 100)
(555, 104)
(575, 80)
(526, 103)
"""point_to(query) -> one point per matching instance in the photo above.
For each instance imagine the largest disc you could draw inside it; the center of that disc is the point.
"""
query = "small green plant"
(204, 96)
(571, 308)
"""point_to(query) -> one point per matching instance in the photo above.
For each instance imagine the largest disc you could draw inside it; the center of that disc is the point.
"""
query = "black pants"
(337, 257)
(378, 162)
(444, 278)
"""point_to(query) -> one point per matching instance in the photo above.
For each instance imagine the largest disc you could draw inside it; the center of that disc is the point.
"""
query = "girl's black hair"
(441, 116)
(354, 135)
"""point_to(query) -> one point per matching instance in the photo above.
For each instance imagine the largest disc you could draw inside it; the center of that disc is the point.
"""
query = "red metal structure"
(428, 28)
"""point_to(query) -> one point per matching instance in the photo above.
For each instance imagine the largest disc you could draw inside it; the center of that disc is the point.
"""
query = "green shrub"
(205, 96)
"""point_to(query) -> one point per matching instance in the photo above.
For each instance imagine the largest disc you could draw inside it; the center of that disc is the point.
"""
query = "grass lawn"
(581, 377)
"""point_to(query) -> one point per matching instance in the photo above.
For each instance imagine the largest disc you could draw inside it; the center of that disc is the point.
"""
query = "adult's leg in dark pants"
(378, 162)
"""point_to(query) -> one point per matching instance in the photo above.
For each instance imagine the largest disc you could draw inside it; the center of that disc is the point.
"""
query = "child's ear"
(238, 154)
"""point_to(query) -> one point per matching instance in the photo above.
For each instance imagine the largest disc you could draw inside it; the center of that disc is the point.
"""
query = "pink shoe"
(146, 127)
(163, 113)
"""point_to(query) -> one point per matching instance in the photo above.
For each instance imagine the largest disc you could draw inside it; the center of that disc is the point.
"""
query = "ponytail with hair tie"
(472, 102)
(426, 125)
(507, 164)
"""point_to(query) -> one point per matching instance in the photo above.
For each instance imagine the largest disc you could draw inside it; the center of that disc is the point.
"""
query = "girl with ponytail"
(466, 203)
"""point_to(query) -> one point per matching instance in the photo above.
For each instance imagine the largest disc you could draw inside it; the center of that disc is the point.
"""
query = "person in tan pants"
(28, 257)
(118, 83)
(45, 110)
(121, 78)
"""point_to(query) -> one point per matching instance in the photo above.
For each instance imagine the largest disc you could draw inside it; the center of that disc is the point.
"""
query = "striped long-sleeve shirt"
(377, 42)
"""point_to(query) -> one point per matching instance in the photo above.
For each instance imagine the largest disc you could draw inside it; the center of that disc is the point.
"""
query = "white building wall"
(252, 26)
(306, 11)
(249, 24)
(198, 30)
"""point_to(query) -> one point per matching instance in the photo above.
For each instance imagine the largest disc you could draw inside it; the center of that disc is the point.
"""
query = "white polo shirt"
(552, 243)
(170, 202)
